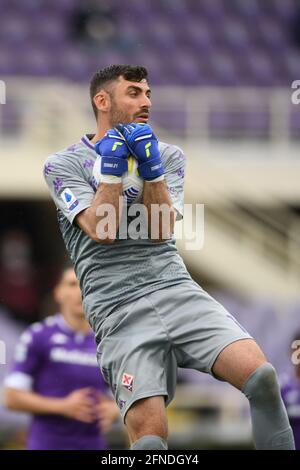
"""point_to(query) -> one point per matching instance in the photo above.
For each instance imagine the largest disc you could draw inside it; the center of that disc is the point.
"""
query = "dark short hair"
(132, 73)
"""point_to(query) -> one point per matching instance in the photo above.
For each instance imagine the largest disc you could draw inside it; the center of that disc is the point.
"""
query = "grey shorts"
(143, 343)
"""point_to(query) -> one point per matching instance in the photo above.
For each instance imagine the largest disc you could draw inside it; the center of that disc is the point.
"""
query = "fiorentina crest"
(127, 381)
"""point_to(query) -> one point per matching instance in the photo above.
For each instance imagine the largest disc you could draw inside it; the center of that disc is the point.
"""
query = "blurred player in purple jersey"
(290, 389)
(55, 377)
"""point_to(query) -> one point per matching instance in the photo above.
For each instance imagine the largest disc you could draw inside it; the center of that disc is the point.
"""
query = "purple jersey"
(53, 360)
(290, 391)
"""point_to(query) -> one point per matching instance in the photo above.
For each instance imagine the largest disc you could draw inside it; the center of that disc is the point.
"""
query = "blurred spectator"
(56, 378)
(93, 22)
(18, 276)
(291, 390)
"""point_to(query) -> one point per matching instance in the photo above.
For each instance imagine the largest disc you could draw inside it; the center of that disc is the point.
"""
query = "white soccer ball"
(132, 183)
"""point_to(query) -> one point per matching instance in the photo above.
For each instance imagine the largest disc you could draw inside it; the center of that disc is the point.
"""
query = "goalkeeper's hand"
(113, 151)
(143, 144)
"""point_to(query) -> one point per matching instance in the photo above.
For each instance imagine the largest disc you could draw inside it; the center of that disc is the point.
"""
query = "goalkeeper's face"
(129, 102)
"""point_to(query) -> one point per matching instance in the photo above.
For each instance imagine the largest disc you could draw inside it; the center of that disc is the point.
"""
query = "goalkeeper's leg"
(146, 423)
(244, 365)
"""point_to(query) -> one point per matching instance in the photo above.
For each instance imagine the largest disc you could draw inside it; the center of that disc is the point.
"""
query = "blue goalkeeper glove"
(113, 151)
(143, 144)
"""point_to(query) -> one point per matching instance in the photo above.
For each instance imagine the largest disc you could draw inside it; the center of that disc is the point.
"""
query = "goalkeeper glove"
(113, 152)
(143, 144)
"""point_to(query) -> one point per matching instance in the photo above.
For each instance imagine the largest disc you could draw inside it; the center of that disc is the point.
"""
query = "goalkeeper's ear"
(102, 101)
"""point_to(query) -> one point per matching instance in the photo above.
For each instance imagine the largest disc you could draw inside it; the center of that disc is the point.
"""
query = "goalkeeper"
(148, 315)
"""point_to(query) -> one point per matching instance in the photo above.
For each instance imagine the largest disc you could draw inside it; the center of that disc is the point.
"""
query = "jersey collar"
(86, 141)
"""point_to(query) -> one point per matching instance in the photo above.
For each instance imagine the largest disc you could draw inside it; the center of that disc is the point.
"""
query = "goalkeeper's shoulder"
(68, 159)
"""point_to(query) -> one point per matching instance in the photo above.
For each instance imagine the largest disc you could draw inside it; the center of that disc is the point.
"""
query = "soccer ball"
(132, 183)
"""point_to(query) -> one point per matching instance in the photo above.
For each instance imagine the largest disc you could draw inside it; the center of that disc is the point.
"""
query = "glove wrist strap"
(113, 166)
(151, 169)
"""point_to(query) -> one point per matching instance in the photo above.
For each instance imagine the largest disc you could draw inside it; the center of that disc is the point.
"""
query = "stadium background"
(221, 73)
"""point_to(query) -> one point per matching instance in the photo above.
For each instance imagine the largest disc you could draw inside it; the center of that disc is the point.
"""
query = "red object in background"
(18, 278)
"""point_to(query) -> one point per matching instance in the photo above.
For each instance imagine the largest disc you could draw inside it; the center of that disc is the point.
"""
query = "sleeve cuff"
(71, 216)
(19, 380)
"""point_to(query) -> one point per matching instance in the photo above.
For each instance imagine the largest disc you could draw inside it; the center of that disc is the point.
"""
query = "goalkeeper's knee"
(150, 442)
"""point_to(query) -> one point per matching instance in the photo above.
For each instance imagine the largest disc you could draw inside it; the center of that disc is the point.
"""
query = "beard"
(118, 115)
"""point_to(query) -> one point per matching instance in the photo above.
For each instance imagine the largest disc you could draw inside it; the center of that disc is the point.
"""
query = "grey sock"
(270, 424)
(150, 443)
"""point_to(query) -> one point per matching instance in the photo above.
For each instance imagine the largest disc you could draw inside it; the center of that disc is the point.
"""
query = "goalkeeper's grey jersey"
(111, 274)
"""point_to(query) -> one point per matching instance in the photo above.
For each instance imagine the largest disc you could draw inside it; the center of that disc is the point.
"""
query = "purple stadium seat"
(105, 57)
(65, 7)
(271, 34)
(53, 31)
(235, 35)
(212, 10)
(185, 68)
(35, 61)
(260, 68)
(285, 10)
(224, 68)
(73, 64)
(247, 9)
(8, 63)
(176, 11)
(129, 34)
(14, 29)
(161, 35)
(197, 35)
(158, 69)
(135, 9)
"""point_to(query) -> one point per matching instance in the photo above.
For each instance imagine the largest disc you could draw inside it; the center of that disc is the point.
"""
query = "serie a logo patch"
(69, 199)
(127, 381)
